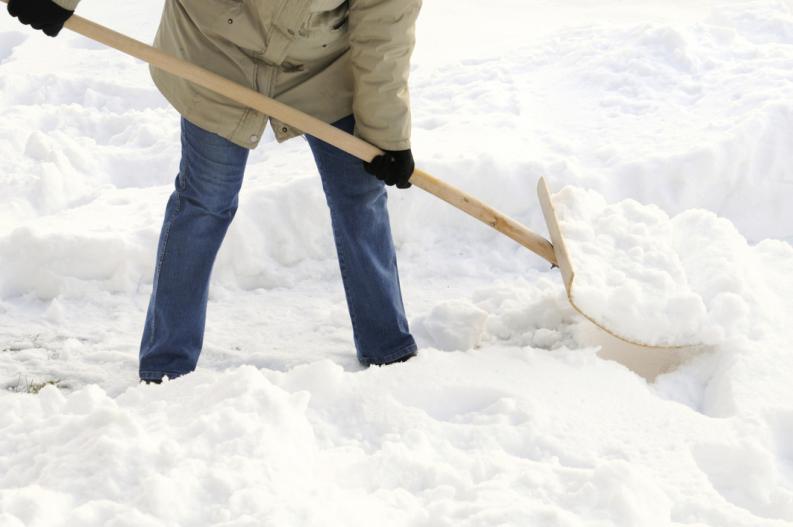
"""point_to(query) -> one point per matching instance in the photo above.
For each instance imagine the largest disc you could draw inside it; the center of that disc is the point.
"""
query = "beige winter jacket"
(328, 58)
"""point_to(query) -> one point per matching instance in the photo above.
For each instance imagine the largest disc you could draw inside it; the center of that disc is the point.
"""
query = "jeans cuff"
(158, 375)
(403, 352)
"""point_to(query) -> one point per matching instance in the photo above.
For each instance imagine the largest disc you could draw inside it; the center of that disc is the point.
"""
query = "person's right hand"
(45, 15)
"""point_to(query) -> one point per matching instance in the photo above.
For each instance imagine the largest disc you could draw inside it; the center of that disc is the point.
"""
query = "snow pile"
(688, 280)
(450, 439)
(452, 325)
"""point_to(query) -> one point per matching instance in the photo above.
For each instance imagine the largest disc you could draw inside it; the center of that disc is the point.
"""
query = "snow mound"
(452, 325)
(668, 281)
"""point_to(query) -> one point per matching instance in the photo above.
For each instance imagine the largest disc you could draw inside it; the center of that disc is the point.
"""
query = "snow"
(452, 325)
(682, 281)
(665, 118)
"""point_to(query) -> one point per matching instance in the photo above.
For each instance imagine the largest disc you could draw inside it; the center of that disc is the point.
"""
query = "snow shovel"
(555, 253)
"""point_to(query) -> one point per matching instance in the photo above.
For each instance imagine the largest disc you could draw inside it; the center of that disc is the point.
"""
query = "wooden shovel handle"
(311, 125)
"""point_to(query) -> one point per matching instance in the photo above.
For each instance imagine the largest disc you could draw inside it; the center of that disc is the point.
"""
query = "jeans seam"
(182, 179)
(158, 270)
(342, 267)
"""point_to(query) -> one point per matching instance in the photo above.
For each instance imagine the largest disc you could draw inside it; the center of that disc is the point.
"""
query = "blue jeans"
(197, 216)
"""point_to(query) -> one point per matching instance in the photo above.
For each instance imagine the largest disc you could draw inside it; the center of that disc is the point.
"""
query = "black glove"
(394, 167)
(45, 15)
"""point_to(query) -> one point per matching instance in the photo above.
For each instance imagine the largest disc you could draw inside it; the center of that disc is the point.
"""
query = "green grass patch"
(32, 386)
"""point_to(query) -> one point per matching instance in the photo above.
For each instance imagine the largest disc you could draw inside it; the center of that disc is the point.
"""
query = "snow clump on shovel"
(663, 281)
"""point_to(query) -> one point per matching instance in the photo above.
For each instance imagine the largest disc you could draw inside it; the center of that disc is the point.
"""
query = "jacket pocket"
(330, 22)
(324, 34)
(227, 21)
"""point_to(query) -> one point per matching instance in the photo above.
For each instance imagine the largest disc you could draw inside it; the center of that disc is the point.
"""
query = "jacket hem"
(69, 5)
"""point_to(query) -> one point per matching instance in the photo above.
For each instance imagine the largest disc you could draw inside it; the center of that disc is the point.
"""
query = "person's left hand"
(394, 167)
(44, 15)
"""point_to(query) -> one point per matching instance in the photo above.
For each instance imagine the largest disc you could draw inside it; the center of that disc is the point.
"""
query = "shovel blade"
(565, 264)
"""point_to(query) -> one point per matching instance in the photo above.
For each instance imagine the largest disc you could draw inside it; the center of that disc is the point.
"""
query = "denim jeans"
(199, 212)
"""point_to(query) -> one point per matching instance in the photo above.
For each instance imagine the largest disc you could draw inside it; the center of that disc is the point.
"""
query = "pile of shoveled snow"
(685, 280)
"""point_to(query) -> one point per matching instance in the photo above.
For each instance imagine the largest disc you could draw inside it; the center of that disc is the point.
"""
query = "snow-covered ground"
(512, 414)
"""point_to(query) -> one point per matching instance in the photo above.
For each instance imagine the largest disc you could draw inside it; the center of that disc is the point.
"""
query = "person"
(343, 61)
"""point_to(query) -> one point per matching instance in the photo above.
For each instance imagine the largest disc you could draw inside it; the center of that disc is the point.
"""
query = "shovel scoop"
(626, 269)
